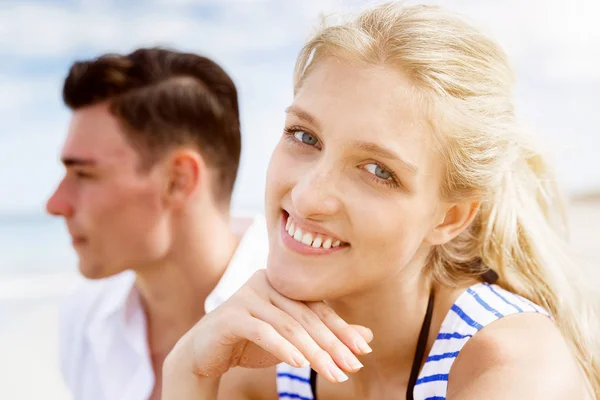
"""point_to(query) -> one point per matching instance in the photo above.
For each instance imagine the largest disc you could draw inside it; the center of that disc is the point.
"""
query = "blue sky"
(554, 46)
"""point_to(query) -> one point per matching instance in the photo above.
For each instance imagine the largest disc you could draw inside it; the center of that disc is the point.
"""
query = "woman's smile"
(308, 238)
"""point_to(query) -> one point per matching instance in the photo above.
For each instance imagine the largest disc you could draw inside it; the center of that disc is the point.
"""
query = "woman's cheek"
(279, 169)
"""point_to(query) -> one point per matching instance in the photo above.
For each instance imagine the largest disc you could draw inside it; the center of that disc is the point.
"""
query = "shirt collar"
(119, 312)
(118, 343)
(122, 296)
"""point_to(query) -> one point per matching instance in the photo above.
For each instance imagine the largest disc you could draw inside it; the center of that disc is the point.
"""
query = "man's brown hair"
(164, 99)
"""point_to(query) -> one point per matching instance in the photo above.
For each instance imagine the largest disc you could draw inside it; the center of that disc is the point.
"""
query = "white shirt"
(103, 344)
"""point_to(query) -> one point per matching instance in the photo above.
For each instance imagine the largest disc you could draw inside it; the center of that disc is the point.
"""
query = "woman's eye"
(305, 138)
(378, 171)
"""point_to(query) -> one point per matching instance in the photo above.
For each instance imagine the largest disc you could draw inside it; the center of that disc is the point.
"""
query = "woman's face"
(355, 181)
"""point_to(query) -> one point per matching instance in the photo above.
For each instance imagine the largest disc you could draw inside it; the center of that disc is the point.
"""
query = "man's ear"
(457, 218)
(186, 171)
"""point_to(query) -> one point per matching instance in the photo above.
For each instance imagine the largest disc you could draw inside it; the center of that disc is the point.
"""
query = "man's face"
(115, 213)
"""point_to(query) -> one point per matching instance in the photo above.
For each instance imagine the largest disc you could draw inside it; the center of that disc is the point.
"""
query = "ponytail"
(520, 233)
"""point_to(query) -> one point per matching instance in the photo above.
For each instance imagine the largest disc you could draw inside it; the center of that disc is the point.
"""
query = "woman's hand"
(257, 328)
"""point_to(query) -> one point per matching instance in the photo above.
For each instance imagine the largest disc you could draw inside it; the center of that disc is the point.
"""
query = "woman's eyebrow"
(385, 153)
(304, 115)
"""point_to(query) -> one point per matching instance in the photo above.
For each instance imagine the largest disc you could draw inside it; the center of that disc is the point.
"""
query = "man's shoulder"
(251, 228)
(253, 248)
(250, 256)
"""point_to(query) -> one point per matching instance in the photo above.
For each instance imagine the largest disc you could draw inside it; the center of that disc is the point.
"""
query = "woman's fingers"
(289, 328)
(348, 334)
(325, 338)
(290, 331)
(266, 336)
(365, 332)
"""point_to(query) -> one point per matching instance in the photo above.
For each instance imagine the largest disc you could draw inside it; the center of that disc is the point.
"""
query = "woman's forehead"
(371, 94)
(366, 103)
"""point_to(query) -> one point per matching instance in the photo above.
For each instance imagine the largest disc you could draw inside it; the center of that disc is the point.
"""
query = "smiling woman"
(403, 197)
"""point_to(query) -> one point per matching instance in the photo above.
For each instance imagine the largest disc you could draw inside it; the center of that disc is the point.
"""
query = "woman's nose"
(316, 194)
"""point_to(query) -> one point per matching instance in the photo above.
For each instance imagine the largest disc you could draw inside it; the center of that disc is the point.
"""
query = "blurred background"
(554, 46)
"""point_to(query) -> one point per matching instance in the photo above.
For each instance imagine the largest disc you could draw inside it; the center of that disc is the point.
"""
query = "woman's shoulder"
(519, 356)
(249, 384)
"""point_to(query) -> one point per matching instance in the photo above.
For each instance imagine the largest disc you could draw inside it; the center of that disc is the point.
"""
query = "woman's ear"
(457, 218)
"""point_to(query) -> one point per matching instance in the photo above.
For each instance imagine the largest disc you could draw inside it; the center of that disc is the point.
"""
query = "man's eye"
(305, 138)
(81, 174)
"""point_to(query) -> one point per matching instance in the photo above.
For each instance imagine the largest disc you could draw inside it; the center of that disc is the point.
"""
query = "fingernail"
(353, 363)
(299, 360)
(337, 373)
(363, 347)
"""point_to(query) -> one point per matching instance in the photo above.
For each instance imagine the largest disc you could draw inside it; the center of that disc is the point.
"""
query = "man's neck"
(174, 291)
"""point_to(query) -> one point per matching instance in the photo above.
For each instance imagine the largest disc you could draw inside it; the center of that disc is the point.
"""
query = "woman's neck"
(394, 311)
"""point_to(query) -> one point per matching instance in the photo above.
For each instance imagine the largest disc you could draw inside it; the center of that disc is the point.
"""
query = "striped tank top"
(478, 306)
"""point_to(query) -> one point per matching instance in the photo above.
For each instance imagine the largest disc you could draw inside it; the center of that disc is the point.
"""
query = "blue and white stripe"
(478, 306)
(293, 383)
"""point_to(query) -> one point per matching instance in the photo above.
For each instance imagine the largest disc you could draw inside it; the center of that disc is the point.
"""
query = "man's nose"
(58, 204)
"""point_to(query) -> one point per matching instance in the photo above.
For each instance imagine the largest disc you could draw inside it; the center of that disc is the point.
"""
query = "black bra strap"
(420, 352)
(417, 361)
(313, 383)
(490, 276)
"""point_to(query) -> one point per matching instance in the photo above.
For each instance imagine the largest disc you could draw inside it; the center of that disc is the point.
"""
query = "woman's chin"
(294, 283)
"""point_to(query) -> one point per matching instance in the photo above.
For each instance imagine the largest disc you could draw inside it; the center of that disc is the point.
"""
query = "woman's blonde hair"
(467, 84)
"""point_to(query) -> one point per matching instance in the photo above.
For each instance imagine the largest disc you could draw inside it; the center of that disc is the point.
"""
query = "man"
(151, 159)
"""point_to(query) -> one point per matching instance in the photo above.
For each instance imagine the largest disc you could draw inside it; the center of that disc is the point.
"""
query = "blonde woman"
(404, 198)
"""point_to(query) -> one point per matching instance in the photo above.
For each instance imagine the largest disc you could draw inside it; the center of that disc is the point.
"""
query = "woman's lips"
(307, 242)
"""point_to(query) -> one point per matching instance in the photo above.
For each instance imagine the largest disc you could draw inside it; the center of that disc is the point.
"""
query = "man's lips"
(78, 240)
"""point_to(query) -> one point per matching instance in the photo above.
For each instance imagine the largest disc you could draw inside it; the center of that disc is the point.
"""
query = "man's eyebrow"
(77, 161)
(385, 153)
(302, 114)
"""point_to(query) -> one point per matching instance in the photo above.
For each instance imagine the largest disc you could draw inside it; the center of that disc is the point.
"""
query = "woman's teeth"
(315, 240)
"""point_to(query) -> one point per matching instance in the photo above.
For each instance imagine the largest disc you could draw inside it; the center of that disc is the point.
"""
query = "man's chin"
(95, 270)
